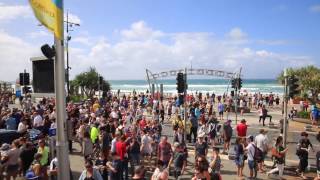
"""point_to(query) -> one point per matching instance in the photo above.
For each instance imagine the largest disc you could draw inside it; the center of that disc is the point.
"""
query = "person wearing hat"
(302, 153)
(250, 154)
(201, 147)
(262, 142)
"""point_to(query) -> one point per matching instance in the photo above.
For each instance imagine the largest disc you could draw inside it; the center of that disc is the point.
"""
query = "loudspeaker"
(48, 51)
(43, 76)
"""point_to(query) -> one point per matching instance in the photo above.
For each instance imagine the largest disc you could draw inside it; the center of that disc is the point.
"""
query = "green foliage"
(309, 80)
(76, 98)
(88, 83)
(303, 114)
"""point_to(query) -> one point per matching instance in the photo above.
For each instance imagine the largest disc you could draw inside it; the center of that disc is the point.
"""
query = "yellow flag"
(49, 13)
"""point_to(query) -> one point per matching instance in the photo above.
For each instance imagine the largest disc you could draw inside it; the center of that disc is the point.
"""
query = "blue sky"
(123, 37)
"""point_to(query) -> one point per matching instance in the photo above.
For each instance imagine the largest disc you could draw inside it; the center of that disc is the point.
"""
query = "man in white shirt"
(114, 141)
(22, 127)
(261, 141)
(37, 120)
(250, 152)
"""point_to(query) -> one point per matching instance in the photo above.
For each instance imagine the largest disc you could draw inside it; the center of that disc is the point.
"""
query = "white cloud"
(128, 58)
(140, 31)
(237, 34)
(15, 56)
(39, 34)
(315, 8)
(9, 12)
(82, 40)
(142, 47)
(72, 18)
(272, 42)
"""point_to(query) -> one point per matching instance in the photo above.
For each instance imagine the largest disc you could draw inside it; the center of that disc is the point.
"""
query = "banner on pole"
(49, 13)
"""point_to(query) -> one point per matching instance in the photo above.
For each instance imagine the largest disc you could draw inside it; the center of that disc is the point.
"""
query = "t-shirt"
(37, 121)
(262, 142)
(116, 164)
(165, 152)
(238, 149)
(54, 163)
(113, 145)
(227, 130)
(242, 130)
(146, 140)
(220, 107)
(201, 148)
(11, 123)
(94, 133)
(305, 143)
(22, 127)
(13, 155)
(251, 151)
(178, 159)
(121, 149)
(45, 155)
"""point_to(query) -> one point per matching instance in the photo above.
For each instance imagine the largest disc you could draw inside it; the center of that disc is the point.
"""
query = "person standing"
(302, 153)
(250, 153)
(242, 129)
(12, 160)
(239, 156)
(220, 110)
(44, 151)
(201, 147)
(164, 151)
(215, 163)
(227, 134)
(90, 173)
(278, 151)
(179, 160)
(261, 141)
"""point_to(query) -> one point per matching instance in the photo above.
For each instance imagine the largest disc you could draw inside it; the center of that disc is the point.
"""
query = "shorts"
(251, 164)
(13, 168)
(227, 139)
(221, 113)
(239, 161)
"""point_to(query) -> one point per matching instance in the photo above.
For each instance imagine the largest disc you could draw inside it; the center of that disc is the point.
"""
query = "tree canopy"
(309, 79)
(88, 83)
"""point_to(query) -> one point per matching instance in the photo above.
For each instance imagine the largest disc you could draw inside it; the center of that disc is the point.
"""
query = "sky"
(122, 38)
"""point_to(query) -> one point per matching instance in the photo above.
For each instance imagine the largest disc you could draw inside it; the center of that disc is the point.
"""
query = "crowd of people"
(122, 137)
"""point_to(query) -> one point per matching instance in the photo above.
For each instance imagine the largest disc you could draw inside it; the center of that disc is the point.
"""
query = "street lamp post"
(67, 47)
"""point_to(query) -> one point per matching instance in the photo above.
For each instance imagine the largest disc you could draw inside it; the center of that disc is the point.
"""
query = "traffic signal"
(100, 80)
(24, 79)
(232, 93)
(239, 83)
(233, 83)
(293, 84)
(180, 83)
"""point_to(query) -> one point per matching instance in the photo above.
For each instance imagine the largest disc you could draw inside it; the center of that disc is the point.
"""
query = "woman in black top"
(302, 153)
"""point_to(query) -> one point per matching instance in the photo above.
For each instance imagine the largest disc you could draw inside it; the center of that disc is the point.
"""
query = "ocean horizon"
(218, 86)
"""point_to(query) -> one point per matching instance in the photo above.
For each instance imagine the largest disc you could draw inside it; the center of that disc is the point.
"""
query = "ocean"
(218, 86)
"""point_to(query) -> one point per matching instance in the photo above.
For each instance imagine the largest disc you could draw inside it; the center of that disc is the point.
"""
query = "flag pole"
(59, 76)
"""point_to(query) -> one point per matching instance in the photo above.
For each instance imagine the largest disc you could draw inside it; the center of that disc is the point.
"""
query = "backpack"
(258, 154)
